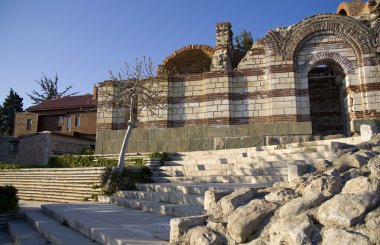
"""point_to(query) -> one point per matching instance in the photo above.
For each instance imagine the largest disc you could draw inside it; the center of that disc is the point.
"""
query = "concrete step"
(322, 145)
(230, 166)
(69, 193)
(24, 234)
(267, 157)
(194, 188)
(53, 231)
(163, 197)
(67, 189)
(52, 198)
(110, 224)
(168, 209)
(229, 171)
(221, 179)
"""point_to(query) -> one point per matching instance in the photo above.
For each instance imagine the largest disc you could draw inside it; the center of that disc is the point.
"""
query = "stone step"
(54, 232)
(24, 234)
(78, 188)
(193, 188)
(221, 179)
(52, 198)
(229, 172)
(273, 149)
(230, 166)
(168, 209)
(265, 158)
(163, 197)
(110, 224)
(70, 193)
(48, 181)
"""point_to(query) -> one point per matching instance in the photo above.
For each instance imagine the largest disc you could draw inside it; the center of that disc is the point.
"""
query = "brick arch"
(191, 53)
(326, 58)
(360, 37)
(271, 43)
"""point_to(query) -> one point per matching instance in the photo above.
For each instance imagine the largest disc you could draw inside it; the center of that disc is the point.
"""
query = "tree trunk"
(123, 150)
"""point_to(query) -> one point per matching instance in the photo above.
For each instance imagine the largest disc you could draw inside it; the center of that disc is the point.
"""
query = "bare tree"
(135, 88)
(49, 88)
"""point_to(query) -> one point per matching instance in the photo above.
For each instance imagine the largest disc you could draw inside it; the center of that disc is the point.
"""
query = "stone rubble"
(337, 203)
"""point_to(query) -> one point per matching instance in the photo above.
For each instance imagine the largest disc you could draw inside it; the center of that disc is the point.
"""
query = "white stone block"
(367, 131)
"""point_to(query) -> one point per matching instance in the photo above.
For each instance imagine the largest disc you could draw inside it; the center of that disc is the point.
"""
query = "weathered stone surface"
(342, 148)
(322, 164)
(179, 226)
(237, 198)
(212, 197)
(362, 184)
(351, 174)
(245, 220)
(356, 159)
(336, 236)
(293, 230)
(372, 223)
(299, 184)
(345, 209)
(301, 204)
(296, 170)
(374, 166)
(204, 236)
(281, 196)
(328, 185)
(212, 204)
(367, 131)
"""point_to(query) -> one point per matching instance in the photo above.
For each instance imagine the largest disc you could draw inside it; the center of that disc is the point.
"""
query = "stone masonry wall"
(268, 87)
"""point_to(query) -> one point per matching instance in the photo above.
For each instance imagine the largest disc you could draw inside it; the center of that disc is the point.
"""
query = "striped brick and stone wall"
(216, 101)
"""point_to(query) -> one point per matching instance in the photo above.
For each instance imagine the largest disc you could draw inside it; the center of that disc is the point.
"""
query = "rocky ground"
(338, 202)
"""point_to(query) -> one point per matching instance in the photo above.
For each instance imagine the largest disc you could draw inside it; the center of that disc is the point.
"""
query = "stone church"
(316, 78)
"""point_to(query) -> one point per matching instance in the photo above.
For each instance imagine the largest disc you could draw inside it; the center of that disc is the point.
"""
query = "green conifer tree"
(11, 105)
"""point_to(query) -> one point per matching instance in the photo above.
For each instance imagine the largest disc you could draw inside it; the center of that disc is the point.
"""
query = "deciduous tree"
(49, 90)
(135, 88)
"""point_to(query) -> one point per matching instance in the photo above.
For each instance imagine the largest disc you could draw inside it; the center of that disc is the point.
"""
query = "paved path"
(5, 237)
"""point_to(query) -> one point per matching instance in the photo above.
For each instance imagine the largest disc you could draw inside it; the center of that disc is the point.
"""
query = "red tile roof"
(79, 101)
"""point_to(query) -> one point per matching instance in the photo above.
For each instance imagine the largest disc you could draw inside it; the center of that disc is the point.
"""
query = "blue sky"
(82, 40)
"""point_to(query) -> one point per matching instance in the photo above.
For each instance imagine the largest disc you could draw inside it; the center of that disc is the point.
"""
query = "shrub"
(17, 166)
(87, 150)
(126, 180)
(77, 161)
(135, 162)
(163, 156)
(8, 198)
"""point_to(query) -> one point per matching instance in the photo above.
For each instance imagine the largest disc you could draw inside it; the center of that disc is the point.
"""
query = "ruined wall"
(267, 94)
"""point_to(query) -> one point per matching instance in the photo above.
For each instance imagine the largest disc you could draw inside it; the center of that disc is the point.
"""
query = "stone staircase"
(180, 184)
(85, 224)
(54, 184)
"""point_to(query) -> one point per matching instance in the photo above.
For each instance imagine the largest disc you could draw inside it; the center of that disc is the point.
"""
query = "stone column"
(222, 59)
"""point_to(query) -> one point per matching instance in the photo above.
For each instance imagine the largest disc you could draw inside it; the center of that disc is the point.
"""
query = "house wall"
(20, 123)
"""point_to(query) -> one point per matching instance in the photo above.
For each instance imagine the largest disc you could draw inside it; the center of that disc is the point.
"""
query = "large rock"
(293, 230)
(212, 205)
(296, 169)
(339, 236)
(345, 210)
(204, 236)
(328, 185)
(374, 166)
(179, 226)
(281, 196)
(356, 159)
(367, 132)
(351, 174)
(362, 184)
(299, 184)
(301, 204)
(372, 223)
(237, 198)
(322, 164)
(246, 219)
(342, 148)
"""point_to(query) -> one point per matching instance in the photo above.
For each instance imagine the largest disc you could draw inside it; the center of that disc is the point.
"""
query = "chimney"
(95, 93)
(223, 34)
